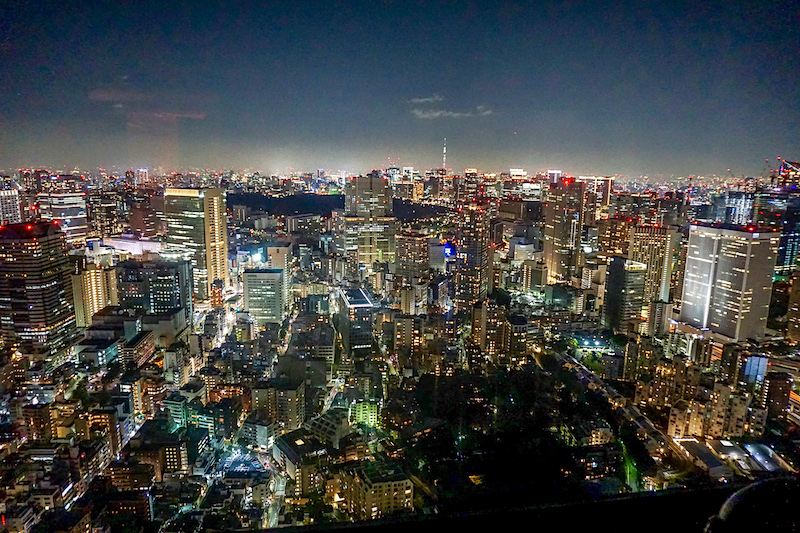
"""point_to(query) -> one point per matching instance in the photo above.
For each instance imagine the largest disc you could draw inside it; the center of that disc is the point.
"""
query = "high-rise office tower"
(413, 258)
(563, 219)
(279, 255)
(472, 255)
(104, 219)
(196, 221)
(624, 296)
(728, 281)
(614, 235)
(143, 220)
(369, 232)
(63, 199)
(600, 187)
(793, 313)
(10, 212)
(130, 179)
(155, 287)
(656, 247)
(31, 179)
(37, 316)
(142, 176)
(94, 287)
(775, 393)
(356, 310)
(779, 209)
(263, 295)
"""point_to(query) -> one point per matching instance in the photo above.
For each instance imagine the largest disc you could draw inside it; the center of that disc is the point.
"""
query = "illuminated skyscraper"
(779, 209)
(775, 393)
(31, 179)
(356, 310)
(413, 258)
(143, 220)
(600, 187)
(472, 255)
(279, 256)
(94, 287)
(728, 281)
(102, 212)
(563, 219)
(624, 296)
(10, 212)
(142, 176)
(656, 247)
(369, 233)
(196, 221)
(263, 295)
(37, 316)
(63, 199)
(793, 313)
(614, 235)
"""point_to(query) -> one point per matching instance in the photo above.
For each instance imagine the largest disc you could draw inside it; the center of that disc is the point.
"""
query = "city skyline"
(632, 90)
(311, 264)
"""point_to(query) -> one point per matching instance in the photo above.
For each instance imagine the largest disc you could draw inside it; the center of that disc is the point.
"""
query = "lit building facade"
(103, 214)
(10, 212)
(728, 281)
(94, 287)
(656, 247)
(413, 258)
(196, 221)
(263, 295)
(155, 287)
(369, 227)
(563, 219)
(37, 314)
(472, 255)
(624, 295)
(63, 200)
(356, 322)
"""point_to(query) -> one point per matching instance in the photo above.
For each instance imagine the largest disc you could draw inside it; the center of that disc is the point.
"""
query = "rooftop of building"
(29, 230)
(299, 444)
(383, 471)
(356, 297)
(263, 271)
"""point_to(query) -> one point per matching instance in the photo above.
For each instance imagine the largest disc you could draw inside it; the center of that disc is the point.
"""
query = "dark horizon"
(632, 89)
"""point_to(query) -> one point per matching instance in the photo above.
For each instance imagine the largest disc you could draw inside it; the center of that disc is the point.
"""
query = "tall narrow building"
(369, 226)
(356, 310)
(472, 256)
(413, 258)
(104, 219)
(94, 287)
(37, 315)
(624, 296)
(793, 313)
(279, 256)
(563, 219)
(656, 247)
(728, 280)
(196, 221)
(10, 212)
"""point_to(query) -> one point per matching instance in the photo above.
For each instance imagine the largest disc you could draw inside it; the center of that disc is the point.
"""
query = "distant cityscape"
(220, 350)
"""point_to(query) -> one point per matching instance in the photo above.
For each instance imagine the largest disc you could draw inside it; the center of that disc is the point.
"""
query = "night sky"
(628, 87)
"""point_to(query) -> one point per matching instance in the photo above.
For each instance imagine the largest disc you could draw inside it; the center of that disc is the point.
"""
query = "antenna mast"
(444, 155)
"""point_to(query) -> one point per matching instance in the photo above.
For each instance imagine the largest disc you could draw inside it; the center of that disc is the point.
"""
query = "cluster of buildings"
(148, 322)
